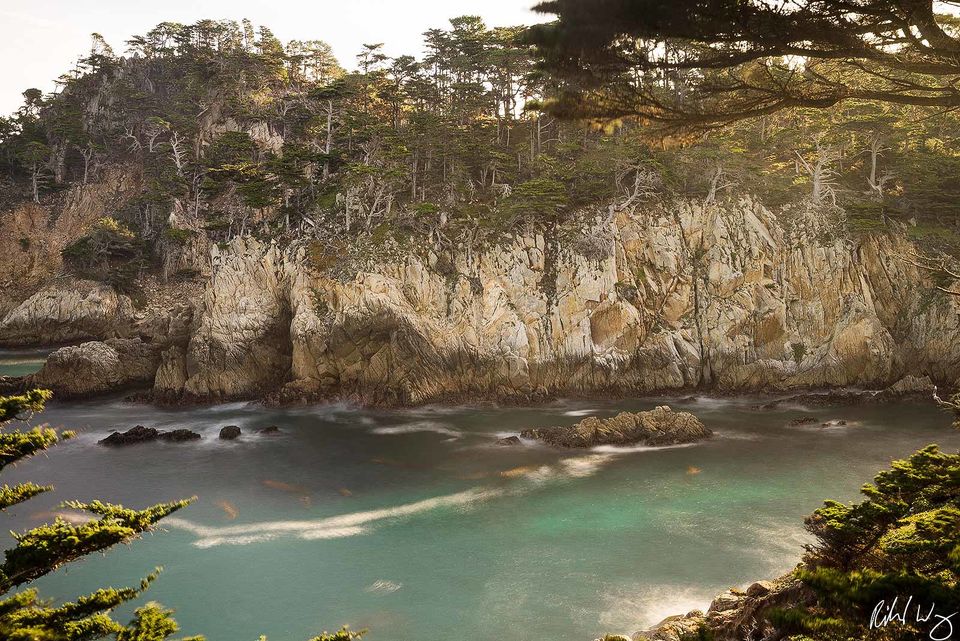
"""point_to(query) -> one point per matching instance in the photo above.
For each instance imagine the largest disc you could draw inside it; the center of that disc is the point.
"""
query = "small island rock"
(659, 426)
(229, 432)
(137, 434)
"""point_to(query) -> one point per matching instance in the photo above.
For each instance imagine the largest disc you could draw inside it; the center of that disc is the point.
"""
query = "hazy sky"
(40, 39)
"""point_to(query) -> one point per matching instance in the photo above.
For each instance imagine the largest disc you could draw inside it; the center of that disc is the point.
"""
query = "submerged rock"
(803, 420)
(509, 440)
(659, 426)
(834, 423)
(270, 430)
(141, 434)
(229, 432)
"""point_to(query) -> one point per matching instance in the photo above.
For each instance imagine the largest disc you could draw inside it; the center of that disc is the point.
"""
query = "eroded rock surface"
(675, 295)
(687, 294)
(734, 615)
(68, 311)
(98, 367)
(659, 426)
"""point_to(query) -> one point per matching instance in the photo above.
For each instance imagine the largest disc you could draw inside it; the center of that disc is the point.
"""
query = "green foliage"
(41, 550)
(799, 351)
(903, 540)
(177, 235)
(45, 548)
(703, 633)
(110, 252)
(539, 199)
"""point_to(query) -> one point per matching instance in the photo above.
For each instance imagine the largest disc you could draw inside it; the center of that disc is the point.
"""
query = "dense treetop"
(231, 132)
(717, 61)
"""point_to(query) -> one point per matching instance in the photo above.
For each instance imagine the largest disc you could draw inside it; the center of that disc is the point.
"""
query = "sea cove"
(414, 524)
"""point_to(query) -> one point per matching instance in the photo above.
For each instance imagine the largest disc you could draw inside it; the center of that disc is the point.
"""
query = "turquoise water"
(20, 362)
(414, 525)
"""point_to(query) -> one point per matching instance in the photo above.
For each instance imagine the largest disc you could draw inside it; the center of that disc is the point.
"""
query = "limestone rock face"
(659, 426)
(98, 367)
(66, 312)
(687, 294)
(239, 343)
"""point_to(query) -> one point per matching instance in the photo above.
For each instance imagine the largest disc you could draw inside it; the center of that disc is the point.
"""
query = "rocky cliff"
(678, 294)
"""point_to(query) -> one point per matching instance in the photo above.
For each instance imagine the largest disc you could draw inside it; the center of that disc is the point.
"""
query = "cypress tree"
(24, 616)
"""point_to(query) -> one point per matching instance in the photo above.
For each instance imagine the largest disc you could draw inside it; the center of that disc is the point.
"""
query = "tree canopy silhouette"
(707, 63)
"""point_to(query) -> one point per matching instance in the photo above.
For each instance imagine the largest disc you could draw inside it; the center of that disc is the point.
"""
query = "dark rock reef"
(659, 426)
(141, 434)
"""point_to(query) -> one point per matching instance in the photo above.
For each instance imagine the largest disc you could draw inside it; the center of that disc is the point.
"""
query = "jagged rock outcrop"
(688, 294)
(659, 426)
(734, 615)
(68, 311)
(678, 295)
(98, 367)
(239, 343)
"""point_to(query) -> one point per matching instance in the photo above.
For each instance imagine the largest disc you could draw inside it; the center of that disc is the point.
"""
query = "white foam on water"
(737, 436)
(357, 523)
(383, 586)
(629, 449)
(344, 525)
(645, 606)
(584, 466)
(580, 412)
(419, 426)
(541, 474)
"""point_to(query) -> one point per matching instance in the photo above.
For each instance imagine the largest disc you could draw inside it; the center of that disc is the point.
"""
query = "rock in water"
(138, 434)
(141, 434)
(834, 423)
(271, 430)
(179, 436)
(98, 367)
(659, 426)
(229, 432)
(509, 440)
